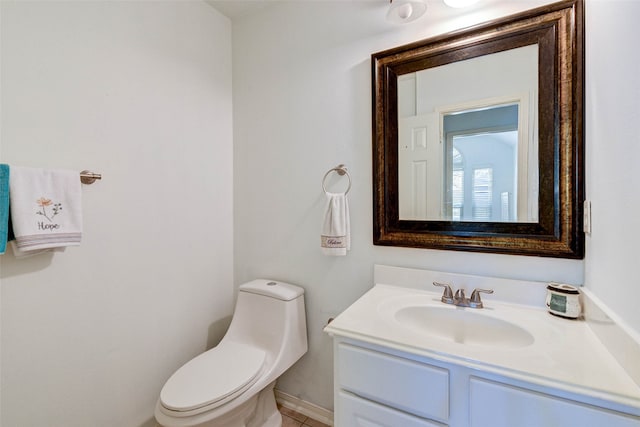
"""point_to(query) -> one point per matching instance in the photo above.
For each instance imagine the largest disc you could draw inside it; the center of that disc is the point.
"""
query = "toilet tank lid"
(273, 288)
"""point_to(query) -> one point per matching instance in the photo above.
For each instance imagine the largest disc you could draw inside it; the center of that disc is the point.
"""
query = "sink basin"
(463, 326)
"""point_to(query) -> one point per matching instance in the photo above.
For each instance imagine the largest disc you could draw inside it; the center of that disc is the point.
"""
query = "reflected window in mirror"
(482, 151)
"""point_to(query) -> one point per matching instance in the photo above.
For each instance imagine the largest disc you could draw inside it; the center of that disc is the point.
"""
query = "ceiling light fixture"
(403, 11)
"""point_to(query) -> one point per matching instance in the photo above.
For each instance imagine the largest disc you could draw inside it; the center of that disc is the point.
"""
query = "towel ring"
(341, 170)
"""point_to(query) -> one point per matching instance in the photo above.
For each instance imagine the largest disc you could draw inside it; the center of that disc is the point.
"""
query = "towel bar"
(88, 177)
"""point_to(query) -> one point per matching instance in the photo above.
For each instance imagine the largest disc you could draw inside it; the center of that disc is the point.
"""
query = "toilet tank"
(271, 315)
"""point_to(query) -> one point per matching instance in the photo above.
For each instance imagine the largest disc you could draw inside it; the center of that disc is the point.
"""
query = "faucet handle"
(447, 295)
(475, 301)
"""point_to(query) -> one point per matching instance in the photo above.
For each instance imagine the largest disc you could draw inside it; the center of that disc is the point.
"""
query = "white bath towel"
(46, 208)
(335, 236)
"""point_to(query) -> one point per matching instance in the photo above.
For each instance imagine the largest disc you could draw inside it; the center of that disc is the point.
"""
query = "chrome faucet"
(459, 299)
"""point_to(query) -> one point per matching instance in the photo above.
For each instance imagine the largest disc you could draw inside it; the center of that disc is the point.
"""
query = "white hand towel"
(336, 227)
(46, 208)
(26, 254)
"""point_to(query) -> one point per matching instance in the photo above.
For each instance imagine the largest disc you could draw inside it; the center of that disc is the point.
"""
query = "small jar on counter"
(563, 300)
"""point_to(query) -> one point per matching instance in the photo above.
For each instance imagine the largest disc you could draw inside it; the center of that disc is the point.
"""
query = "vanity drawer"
(410, 386)
(356, 412)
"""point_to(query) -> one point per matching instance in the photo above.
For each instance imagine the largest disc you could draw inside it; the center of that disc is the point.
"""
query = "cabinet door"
(500, 405)
(354, 411)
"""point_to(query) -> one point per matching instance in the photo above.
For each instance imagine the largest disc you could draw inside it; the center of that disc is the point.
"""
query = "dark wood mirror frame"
(558, 30)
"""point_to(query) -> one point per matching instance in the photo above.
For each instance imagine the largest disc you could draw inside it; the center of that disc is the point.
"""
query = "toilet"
(231, 385)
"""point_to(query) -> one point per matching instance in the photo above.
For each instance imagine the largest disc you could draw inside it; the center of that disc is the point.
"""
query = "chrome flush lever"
(447, 295)
(475, 301)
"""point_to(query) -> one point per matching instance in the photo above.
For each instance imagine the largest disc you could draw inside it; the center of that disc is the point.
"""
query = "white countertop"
(565, 354)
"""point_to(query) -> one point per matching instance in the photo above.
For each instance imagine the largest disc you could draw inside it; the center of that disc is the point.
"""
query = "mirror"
(477, 139)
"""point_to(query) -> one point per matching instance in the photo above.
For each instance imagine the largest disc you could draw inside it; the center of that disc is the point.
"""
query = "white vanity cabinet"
(402, 358)
(376, 386)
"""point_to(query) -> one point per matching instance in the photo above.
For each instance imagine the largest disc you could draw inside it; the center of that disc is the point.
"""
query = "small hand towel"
(336, 228)
(46, 208)
(17, 253)
(4, 207)
(11, 237)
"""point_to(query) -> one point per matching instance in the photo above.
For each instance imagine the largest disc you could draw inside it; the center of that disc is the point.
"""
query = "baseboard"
(305, 408)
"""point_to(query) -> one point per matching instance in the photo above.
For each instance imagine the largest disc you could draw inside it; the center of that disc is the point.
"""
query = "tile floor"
(291, 418)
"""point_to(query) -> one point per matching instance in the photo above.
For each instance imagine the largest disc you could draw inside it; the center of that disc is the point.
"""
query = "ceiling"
(375, 10)
(237, 8)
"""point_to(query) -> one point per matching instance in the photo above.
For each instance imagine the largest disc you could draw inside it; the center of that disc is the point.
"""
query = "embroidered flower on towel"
(43, 203)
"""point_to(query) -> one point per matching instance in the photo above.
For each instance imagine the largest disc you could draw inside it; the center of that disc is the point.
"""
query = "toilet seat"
(212, 378)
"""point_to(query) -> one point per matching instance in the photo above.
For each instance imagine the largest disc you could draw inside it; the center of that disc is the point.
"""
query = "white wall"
(302, 104)
(140, 92)
(613, 150)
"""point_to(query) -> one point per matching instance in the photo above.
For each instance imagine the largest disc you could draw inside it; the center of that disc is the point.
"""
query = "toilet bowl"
(231, 385)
